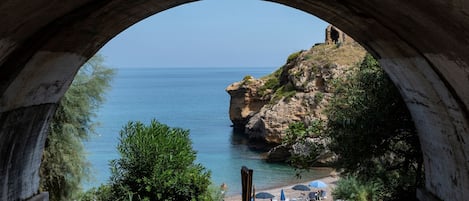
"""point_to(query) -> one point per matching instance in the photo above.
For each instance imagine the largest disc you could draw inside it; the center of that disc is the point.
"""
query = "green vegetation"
(286, 91)
(318, 97)
(352, 189)
(272, 82)
(156, 163)
(216, 193)
(370, 130)
(296, 132)
(308, 151)
(373, 134)
(294, 56)
(320, 55)
(368, 127)
(247, 79)
(102, 193)
(64, 165)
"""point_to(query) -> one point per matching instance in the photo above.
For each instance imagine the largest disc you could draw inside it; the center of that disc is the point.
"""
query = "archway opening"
(335, 36)
(334, 33)
(257, 42)
(429, 67)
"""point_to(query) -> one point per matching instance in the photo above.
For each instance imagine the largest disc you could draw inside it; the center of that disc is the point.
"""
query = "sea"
(188, 98)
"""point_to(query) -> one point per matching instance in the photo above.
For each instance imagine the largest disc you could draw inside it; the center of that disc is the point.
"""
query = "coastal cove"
(188, 98)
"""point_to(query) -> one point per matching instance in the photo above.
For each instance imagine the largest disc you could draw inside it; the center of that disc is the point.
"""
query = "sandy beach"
(331, 181)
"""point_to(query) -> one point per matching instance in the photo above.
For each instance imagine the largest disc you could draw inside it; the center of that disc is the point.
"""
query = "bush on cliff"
(304, 151)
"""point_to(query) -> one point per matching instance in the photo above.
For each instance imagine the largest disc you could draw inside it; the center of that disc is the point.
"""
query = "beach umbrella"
(318, 184)
(301, 187)
(282, 195)
(264, 195)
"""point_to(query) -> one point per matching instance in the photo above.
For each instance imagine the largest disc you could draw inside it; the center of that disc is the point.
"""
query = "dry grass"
(345, 54)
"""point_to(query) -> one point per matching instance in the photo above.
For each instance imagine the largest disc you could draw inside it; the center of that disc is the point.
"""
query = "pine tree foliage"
(372, 132)
(64, 165)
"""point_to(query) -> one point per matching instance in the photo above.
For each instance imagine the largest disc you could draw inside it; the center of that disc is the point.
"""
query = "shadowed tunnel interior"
(422, 45)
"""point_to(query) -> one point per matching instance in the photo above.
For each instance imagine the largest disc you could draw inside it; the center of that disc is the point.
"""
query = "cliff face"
(245, 100)
(297, 92)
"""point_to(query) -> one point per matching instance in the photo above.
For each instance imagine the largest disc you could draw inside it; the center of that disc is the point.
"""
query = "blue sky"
(216, 33)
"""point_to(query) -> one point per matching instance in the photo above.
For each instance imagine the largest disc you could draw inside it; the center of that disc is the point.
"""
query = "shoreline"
(330, 180)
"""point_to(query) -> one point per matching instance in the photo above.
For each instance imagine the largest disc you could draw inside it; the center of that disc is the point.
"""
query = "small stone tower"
(334, 36)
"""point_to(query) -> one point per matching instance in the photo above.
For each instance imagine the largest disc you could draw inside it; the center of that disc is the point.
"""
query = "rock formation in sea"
(298, 91)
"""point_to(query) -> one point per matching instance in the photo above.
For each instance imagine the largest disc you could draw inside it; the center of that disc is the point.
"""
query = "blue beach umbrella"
(282, 195)
(318, 184)
(264, 195)
(301, 187)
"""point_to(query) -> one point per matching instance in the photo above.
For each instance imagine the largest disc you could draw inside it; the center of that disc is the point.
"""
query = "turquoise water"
(189, 98)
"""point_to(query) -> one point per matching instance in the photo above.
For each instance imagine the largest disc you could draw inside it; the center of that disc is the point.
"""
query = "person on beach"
(322, 194)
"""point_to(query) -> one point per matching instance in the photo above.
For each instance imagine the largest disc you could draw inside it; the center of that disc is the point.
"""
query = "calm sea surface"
(189, 98)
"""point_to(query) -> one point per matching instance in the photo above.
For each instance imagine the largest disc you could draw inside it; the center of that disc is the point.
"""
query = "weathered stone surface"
(22, 138)
(449, 142)
(422, 44)
(309, 76)
(271, 121)
(44, 196)
(278, 154)
(284, 152)
(245, 101)
(33, 88)
(336, 36)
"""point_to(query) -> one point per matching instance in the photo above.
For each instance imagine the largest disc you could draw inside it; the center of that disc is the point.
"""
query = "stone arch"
(421, 44)
(335, 35)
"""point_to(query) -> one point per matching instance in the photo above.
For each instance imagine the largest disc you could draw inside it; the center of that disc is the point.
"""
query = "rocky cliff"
(297, 92)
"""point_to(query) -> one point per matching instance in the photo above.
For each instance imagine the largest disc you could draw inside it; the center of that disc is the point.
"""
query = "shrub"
(352, 189)
(157, 163)
(318, 97)
(247, 79)
(293, 56)
(102, 193)
(304, 152)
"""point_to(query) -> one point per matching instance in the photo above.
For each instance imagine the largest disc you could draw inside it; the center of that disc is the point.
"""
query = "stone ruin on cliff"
(336, 36)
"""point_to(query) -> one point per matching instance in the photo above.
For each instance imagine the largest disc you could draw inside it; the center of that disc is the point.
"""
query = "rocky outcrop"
(245, 100)
(298, 92)
(273, 119)
(301, 93)
(279, 154)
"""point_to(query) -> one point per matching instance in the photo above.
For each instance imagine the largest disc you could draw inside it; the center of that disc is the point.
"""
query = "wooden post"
(253, 193)
(246, 182)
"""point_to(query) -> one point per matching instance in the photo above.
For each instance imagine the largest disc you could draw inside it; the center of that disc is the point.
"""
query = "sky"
(216, 33)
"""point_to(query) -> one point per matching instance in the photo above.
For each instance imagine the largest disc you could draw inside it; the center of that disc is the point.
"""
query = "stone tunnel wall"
(422, 44)
(22, 137)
